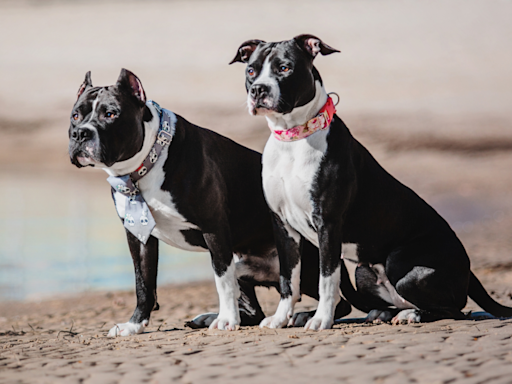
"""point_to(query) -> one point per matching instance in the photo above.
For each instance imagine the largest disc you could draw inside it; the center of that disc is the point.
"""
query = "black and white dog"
(204, 192)
(324, 186)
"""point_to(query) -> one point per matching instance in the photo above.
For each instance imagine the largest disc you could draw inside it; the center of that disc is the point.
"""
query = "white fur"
(285, 308)
(265, 78)
(127, 329)
(95, 105)
(205, 318)
(229, 292)
(88, 160)
(350, 251)
(130, 165)
(329, 293)
(407, 316)
(299, 115)
(169, 222)
(289, 168)
(387, 291)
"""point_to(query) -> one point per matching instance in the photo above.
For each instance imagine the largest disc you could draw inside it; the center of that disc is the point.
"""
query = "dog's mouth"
(261, 106)
(83, 157)
(85, 160)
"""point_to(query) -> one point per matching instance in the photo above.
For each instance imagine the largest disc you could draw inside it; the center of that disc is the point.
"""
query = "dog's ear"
(86, 84)
(313, 45)
(131, 83)
(245, 51)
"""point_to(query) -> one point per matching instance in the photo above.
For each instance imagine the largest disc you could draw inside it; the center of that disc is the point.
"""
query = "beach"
(64, 341)
(425, 86)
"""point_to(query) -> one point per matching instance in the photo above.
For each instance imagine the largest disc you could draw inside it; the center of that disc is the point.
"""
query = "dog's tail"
(478, 293)
(350, 293)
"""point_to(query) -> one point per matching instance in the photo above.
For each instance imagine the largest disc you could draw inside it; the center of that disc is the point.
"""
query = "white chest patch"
(169, 222)
(289, 169)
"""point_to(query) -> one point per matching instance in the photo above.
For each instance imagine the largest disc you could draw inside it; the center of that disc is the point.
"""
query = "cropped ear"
(86, 84)
(245, 51)
(313, 45)
(131, 83)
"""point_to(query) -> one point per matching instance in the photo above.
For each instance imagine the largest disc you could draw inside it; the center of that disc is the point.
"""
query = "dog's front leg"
(225, 281)
(330, 258)
(287, 244)
(145, 262)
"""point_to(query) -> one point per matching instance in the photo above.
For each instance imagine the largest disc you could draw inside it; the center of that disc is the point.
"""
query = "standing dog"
(324, 186)
(200, 191)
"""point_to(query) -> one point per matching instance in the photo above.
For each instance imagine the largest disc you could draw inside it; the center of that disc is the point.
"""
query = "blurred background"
(425, 85)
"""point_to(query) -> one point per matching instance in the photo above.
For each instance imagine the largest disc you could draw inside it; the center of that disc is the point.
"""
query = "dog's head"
(107, 123)
(280, 76)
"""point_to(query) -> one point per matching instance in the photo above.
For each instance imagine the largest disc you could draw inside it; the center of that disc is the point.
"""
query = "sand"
(64, 341)
(425, 85)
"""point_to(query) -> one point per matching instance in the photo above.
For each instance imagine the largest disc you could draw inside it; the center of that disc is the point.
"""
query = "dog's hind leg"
(431, 275)
(373, 297)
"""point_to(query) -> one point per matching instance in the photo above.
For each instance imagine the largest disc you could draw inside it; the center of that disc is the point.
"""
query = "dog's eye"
(284, 68)
(110, 115)
(75, 116)
(250, 71)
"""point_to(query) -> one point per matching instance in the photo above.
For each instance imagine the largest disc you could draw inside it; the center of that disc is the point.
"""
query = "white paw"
(407, 316)
(128, 329)
(225, 324)
(274, 322)
(319, 323)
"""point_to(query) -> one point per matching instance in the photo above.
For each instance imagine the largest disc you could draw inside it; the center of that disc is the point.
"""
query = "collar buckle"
(164, 138)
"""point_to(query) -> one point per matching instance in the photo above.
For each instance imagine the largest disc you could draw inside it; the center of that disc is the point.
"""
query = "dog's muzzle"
(260, 97)
(82, 147)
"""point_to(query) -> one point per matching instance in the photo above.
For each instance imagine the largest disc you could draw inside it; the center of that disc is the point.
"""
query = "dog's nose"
(259, 91)
(81, 134)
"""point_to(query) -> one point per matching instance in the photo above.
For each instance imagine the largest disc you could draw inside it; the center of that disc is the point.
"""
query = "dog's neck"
(128, 166)
(299, 115)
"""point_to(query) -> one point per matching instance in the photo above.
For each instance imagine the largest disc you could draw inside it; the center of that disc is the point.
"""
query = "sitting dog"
(324, 186)
(184, 185)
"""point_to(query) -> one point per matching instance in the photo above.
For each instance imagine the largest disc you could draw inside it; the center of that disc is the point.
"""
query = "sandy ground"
(425, 85)
(64, 341)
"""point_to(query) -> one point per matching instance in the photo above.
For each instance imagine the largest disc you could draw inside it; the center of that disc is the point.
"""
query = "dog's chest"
(169, 222)
(289, 173)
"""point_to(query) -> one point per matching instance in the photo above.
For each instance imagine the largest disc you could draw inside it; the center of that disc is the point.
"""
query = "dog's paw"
(202, 321)
(274, 322)
(300, 319)
(319, 323)
(225, 324)
(407, 316)
(379, 316)
(127, 329)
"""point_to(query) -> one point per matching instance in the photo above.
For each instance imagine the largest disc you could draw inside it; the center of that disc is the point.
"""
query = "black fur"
(214, 182)
(290, 55)
(356, 201)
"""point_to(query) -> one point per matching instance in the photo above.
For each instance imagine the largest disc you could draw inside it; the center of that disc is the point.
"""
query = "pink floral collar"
(317, 123)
